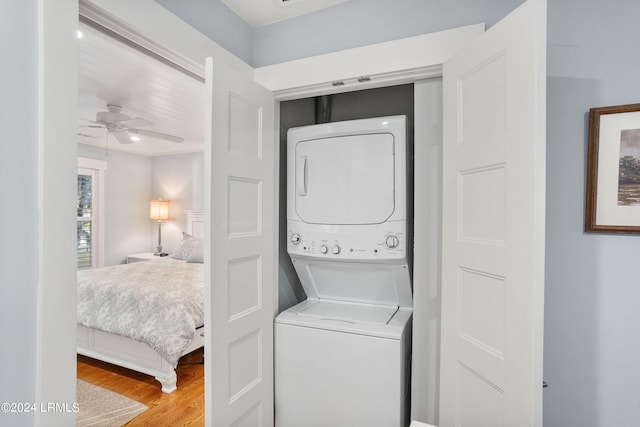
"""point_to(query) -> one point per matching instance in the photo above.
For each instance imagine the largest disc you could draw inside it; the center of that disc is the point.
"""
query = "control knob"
(335, 249)
(392, 242)
(324, 249)
(295, 238)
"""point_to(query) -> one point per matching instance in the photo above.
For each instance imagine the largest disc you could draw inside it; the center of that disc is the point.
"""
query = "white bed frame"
(129, 353)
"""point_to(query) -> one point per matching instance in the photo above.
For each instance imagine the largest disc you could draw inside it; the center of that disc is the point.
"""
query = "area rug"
(104, 408)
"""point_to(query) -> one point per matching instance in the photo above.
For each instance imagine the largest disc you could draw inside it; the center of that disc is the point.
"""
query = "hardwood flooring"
(183, 407)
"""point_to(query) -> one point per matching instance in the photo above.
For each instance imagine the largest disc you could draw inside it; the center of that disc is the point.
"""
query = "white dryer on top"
(347, 190)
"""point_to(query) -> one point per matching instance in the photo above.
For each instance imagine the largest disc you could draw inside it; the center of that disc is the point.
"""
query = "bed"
(146, 315)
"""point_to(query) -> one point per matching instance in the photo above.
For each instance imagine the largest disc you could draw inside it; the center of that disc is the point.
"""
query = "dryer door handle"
(302, 174)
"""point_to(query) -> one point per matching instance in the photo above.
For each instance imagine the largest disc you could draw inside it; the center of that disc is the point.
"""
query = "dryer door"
(346, 179)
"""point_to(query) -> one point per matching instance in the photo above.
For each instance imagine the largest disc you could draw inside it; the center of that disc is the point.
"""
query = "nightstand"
(143, 256)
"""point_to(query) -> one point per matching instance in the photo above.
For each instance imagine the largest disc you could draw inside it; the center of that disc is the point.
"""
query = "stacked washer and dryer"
(343, 355)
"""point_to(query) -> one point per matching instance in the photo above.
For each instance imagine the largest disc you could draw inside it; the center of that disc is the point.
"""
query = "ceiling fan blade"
(136, 122)
(156, 135)
(91, 123)
(121, 136)
(85, 135)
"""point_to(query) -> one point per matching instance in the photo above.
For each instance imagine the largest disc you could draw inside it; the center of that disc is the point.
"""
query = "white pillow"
(185, 247)
(196, 256)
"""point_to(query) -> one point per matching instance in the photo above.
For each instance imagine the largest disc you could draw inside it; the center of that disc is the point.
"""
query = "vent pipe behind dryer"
(323, 109)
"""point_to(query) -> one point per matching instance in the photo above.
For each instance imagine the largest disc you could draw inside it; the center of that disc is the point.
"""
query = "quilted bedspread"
(159, 302)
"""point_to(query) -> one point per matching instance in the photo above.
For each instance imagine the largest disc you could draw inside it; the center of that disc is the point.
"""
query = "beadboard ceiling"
(111, 72)
(262, 12)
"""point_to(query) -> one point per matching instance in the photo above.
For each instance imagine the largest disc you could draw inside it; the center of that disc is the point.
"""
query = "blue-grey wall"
(592, 288)
(362, 22)
(216, 21)
(347, 25)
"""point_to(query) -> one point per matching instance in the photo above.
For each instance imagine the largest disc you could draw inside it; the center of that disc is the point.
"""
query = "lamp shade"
(159, 209)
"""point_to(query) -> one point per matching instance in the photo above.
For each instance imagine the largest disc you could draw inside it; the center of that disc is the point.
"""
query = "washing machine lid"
(396, 327)
(346, 179)
(349, 312)
(363, 282)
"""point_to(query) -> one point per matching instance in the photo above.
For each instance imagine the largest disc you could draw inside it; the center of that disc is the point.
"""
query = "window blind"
(84, 236)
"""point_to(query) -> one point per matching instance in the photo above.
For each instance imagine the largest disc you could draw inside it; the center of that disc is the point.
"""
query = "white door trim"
(55, 342)
(382, 64)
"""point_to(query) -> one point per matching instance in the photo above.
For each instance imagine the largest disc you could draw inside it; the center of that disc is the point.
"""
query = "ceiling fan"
(126, 129)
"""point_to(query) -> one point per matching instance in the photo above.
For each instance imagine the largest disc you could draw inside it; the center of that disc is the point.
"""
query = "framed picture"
(613, 170)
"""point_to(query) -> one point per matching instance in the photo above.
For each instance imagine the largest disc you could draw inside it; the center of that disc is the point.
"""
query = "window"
(89, 235)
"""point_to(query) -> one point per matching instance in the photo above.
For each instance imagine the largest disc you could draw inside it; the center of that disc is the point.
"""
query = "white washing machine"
(343, 355)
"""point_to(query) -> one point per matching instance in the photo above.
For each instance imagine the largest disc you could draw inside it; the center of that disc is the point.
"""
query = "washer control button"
(392, 242)
(324, 249)
(295, 238)
(335, 249)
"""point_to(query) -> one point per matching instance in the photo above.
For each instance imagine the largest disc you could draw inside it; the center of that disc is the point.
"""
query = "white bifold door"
(494, 225)
(239, 266)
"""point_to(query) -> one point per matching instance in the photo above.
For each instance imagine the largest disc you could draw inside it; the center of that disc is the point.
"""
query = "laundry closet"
(423, 100)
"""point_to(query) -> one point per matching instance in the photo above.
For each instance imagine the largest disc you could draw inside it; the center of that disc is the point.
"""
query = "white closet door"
(240, 256)
(494, 225)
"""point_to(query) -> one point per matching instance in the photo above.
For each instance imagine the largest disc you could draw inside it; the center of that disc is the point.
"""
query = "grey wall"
(131, 181)
(362, 22)
(179, 178)
(216, 21)
(351, 24)
(18, 206)
(592, 290)
(127, 194)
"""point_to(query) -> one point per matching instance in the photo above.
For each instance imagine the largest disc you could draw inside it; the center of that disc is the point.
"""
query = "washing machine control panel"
(383, 241)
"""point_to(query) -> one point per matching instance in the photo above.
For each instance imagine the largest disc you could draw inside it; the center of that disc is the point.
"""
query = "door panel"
(493, 225)
(240, 253)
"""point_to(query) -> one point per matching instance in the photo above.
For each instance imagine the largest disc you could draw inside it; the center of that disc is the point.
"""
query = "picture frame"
(613, 170)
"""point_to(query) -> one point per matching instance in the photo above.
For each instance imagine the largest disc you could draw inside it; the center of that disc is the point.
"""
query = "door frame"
(54, 110)
(406, 60)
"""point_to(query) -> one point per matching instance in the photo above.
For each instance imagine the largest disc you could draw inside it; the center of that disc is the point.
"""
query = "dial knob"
(324, 249)
(295, 238)
(335, 249)
(392, 242)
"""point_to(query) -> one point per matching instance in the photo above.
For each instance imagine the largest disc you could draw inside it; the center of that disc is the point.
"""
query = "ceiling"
(263, 12)
(111, 72)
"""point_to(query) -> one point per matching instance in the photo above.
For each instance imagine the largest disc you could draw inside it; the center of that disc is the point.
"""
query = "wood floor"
(183, 407)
